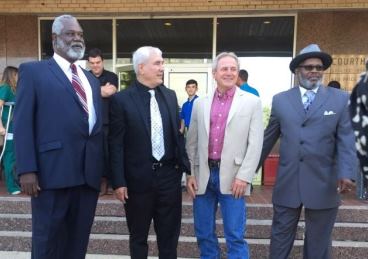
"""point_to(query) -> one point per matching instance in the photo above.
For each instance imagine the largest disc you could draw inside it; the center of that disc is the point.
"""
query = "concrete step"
(258, 229)
(118, 245)
(110, 234)
(106, 207)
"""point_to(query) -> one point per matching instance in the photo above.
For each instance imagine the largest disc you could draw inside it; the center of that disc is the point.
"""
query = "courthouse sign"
(346, 69)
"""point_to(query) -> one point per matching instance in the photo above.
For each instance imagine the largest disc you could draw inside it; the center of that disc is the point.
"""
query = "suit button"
(301, 142)
(303, 125)
(301, 159)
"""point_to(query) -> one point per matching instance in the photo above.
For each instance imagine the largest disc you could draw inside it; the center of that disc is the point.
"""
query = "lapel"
(137, 100)
(235, 104)
(64, 82)
(319, 100)
(296, 101)
(207, 103)
(172, 107)
(96, 97)
(63, 79)
(233, 108)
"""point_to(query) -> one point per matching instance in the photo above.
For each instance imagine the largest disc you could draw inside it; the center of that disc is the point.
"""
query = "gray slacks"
(318, 229)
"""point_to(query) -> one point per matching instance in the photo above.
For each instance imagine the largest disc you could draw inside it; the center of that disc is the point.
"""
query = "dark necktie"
(79, 90)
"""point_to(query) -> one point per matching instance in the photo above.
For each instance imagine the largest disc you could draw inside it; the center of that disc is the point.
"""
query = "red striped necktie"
(78, 87)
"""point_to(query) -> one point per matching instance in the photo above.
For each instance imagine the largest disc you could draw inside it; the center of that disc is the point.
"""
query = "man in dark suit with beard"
(147, 156)
(59, 149)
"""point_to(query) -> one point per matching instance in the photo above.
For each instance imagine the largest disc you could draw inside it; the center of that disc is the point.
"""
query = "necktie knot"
(152, 93)
(73, 68)
(310, 94)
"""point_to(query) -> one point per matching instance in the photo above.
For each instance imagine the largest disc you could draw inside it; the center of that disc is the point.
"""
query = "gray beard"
(305, 83)
(77, 55)
(70, 52)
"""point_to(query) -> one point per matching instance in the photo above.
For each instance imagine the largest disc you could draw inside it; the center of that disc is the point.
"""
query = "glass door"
(176, 76)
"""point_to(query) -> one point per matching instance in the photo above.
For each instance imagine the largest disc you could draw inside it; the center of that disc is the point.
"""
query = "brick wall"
(18, 40)
(121, 7)
(342, 34)
(341, 23)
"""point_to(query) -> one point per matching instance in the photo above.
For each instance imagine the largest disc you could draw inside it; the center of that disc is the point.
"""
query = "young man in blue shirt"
(191, 88)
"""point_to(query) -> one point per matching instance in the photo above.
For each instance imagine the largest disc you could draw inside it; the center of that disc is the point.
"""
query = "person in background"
(317, 157)
(191, 87)
(242, 82)
(224, 144)
(7, 94)
(148, 156)
(358, 107)
(109, 85)
(334, 84)
(58, 140)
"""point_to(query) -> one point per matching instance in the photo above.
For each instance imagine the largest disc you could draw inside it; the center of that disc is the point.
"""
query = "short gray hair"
(223, 55)
(142, 54)
(58, 25)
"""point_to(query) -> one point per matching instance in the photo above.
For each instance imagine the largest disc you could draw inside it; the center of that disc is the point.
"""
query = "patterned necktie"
(78, 87)
(309, 99)
(157, 133)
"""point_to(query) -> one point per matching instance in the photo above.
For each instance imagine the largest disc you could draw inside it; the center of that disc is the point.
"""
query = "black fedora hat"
(311, 51)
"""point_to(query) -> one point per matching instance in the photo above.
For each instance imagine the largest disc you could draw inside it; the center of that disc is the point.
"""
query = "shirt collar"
(303, 90)
(145, 88)
(62, 62)
(102, 73)
(193, 98)
(228, 94)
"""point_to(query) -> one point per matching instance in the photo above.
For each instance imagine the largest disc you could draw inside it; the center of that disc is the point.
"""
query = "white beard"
(69, 51)
(305, 83)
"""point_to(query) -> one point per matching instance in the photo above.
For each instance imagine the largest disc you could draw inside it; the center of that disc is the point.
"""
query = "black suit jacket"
(130, 139)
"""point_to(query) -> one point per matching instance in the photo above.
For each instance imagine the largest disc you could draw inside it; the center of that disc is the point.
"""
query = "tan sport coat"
(242, 142)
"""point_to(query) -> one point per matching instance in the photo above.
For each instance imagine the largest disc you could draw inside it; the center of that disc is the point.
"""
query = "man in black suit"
(147, 156)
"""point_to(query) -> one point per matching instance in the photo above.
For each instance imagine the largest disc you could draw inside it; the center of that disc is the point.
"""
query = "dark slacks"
(318, 229)
(61, 222)
(162, 205)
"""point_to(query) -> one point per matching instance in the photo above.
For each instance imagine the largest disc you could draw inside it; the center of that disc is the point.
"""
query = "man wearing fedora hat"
(317, 156)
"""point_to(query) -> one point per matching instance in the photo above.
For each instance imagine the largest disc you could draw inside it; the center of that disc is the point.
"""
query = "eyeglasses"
(311, 67)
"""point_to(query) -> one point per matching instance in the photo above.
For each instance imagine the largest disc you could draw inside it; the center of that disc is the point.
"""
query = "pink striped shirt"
(219, 112)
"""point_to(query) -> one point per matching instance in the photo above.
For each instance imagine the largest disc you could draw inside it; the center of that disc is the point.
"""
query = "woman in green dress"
(7, 94)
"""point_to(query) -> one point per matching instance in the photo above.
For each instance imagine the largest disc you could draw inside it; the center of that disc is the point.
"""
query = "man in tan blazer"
(224, 144)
